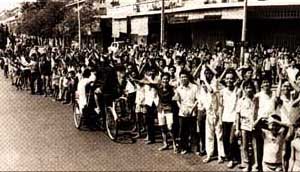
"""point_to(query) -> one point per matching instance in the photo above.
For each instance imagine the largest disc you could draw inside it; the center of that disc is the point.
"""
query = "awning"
(231, 13)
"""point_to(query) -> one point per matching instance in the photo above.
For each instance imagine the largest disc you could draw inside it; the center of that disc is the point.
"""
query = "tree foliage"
(49, 18)
(41, 18)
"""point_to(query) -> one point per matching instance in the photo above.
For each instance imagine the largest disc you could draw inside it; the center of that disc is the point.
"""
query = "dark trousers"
(274, 74)
(230, 142)
(150, 117)
(258, 136)
(33, 79)
(6, 71)
(187, 130)
(131, 106)
(200, 139)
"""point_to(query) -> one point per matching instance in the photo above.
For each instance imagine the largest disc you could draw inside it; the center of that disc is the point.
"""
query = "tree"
(41, 17)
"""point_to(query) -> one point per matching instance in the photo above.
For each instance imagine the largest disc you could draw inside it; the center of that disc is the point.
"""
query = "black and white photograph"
(150, 85)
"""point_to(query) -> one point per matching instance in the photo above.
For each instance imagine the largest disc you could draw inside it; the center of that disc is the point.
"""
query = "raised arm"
(222, 75)
(295, 102)
(198, 69)
(209, 88)
(212, 69)
(294, 85)
(278, 91)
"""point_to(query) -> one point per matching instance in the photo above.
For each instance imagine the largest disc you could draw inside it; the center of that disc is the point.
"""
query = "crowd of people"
(204, 100)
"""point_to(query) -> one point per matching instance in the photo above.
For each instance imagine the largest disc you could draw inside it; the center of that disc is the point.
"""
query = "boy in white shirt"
(246, 115)
(274, 134)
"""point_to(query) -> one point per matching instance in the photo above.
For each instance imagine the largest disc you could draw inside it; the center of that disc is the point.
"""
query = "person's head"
(196, 62)
(120, 69)
(248, 73)
(293, 62)
(151, 72)
(130, 68)
(184, 77)
(230, 78)
(72, 74)
(165, 79)
(286, 87)
(86, 73)
(178, 60)
(249, 88)
(208, 74)
(272, 125)
(134, 74)
(162, 63)
(265, 86)
(172, 70)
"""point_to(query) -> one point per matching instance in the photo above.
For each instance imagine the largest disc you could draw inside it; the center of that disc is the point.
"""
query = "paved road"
(37, 134)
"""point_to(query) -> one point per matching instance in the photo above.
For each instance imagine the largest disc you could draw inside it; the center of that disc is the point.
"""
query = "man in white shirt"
(266, 107)
(88, 77)
(288, 108)
(209, 99)
(151, 102)
(228, 102)
(186, 97)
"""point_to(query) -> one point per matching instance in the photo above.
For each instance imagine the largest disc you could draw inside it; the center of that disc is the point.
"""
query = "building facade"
(197, 22)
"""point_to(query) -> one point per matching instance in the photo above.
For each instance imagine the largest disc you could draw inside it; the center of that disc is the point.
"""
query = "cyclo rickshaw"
(114, 116)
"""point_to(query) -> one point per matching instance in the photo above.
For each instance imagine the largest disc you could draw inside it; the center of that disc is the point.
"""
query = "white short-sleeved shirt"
(151, 95)
(187, 96)
(266, 104)
(246, 108)
(229, 104)
(273, 146)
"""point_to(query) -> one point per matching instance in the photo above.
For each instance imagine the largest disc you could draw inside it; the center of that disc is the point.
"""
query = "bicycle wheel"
(111, 124)
(77, 115)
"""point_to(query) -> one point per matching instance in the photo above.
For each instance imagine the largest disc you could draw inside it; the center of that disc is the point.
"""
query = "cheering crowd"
(204, 100)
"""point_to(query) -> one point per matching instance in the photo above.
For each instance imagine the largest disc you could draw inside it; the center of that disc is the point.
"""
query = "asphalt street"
(37, 134)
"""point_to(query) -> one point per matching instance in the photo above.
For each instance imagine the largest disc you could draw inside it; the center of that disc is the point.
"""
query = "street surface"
(37, 134)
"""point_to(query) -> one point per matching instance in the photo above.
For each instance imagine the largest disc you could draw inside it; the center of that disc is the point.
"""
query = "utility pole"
(79, 24)
(244, 32)
(162, 23)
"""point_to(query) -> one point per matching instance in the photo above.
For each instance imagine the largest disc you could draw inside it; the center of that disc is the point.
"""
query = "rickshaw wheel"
(111, 124)
(77, 116)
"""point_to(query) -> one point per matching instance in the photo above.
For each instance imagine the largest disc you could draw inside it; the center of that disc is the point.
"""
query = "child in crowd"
(55, 83)
(246, 115)
(274, 133)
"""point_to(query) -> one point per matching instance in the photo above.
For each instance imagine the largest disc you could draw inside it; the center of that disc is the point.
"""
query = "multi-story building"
(11, 18)
(194, 22)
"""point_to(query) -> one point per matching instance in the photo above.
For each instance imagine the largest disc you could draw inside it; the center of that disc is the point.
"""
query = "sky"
(9, 4)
